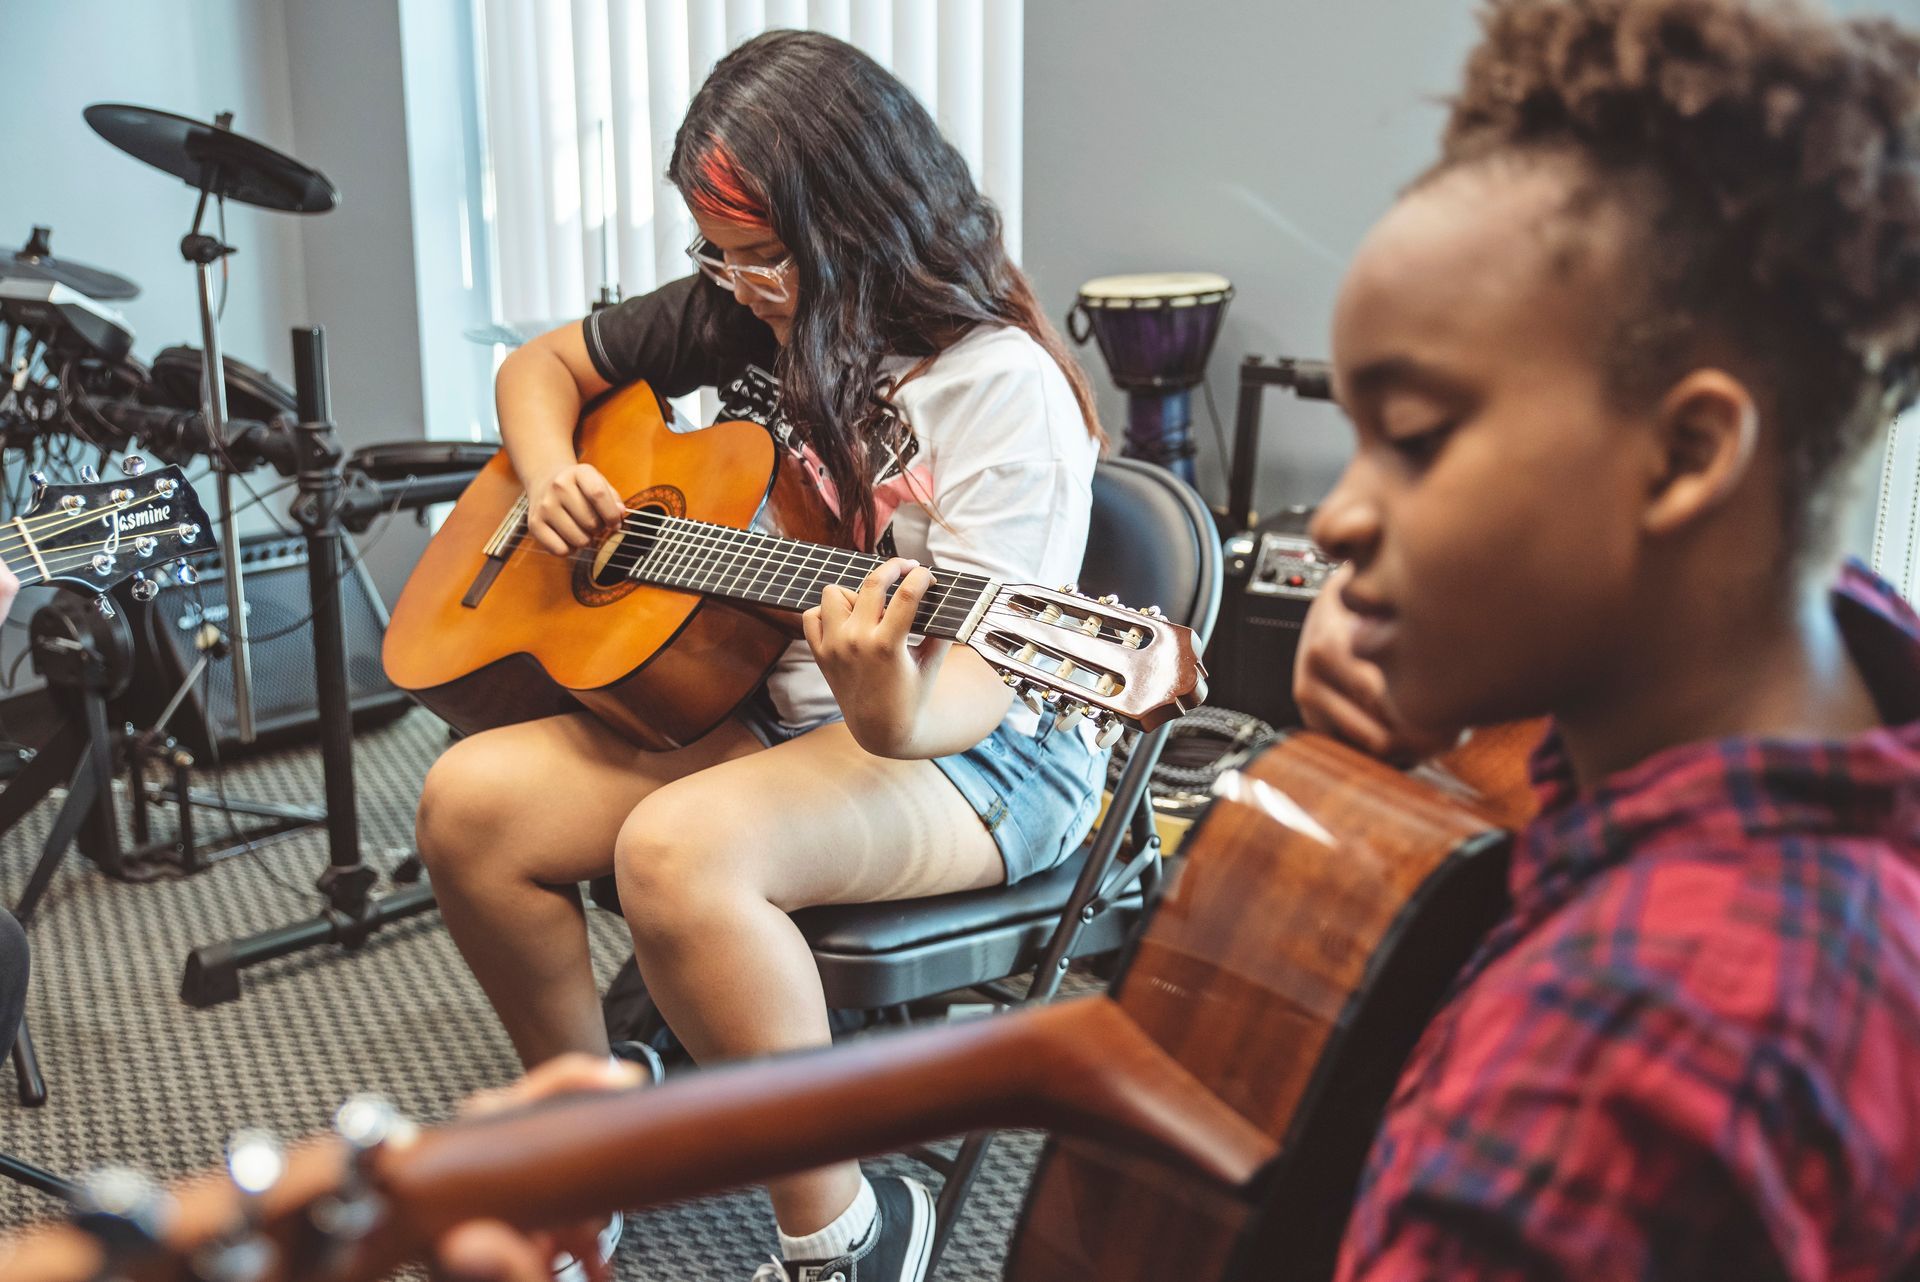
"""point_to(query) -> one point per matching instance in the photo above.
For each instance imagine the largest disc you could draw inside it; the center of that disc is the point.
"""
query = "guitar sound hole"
(625, 548)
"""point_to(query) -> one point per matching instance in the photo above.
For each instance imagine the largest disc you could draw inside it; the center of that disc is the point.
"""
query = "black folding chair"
(1151, 542)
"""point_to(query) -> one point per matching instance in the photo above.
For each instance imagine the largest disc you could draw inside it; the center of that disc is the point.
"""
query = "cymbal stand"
(204, 252)
(352, 912)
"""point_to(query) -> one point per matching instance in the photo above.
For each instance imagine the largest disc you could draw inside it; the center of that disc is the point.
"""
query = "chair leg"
(953, 1193)
(26, 1069)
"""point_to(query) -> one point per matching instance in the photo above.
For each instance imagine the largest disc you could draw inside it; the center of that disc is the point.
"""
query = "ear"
(1709, 428)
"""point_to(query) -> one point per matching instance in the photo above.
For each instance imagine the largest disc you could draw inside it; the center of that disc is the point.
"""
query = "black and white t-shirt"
(989, 435)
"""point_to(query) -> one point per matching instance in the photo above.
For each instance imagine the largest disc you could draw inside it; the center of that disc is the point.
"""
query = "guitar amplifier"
(280, 635)
(1273, 573)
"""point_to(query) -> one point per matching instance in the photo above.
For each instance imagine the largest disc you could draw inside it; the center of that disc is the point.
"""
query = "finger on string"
(605, 499)
(871, 603)
(578, 507)
(897, 623)
(836, 604)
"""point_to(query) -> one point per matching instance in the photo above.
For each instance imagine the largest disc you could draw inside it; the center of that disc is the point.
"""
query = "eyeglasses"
(768, 283)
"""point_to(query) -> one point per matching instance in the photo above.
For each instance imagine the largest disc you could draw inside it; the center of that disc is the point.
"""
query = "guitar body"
(488, 641)
(1325, 903)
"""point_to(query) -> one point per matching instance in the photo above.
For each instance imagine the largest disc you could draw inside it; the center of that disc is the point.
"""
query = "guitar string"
(73, 519)
(772, 555)
(691, 549)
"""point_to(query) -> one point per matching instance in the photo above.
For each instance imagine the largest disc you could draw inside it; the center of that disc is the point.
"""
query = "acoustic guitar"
(1209, 1116)
(664, 625)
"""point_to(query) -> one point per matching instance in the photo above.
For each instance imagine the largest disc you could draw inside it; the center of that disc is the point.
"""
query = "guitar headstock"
(1073, 656)
(93, 535)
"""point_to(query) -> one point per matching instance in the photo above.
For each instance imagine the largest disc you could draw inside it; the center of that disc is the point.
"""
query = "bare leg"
(710, 865)
(510, 822)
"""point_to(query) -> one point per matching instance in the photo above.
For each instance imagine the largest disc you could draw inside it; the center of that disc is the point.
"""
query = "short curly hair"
(1769, 157)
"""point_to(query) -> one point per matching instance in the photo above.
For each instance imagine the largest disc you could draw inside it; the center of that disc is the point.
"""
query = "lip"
(1374, 624)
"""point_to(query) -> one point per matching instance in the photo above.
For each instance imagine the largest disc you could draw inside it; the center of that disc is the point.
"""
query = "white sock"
(839, 1237)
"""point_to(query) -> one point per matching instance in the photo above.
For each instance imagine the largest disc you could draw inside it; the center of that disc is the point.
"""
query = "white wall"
(1256, 138)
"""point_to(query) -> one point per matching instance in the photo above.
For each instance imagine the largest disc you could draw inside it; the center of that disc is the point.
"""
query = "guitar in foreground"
(1210, 1117)
(93, 536)
(664, 625)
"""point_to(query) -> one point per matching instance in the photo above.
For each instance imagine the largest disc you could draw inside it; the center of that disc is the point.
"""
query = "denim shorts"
(1037, 793)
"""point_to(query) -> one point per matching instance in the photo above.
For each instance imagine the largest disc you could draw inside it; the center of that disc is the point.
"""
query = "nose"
(1347, 523)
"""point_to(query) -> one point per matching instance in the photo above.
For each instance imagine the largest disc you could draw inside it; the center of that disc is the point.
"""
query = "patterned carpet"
(139, 1078)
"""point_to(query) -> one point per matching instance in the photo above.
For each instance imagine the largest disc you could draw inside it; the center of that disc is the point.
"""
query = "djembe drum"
(1156, 332)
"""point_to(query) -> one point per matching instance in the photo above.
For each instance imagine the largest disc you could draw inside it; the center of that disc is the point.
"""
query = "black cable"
(1219, 434)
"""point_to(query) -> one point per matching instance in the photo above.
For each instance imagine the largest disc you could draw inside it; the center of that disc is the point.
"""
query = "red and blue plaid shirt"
(1693, 1050)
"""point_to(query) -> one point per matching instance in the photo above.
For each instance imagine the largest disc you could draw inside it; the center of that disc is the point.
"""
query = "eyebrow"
(1401, 374)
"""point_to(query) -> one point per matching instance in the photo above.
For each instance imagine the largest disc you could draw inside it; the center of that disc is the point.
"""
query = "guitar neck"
(785, 574)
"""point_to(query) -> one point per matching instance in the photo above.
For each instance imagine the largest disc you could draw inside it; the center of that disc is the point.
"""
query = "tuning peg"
(189, 532)
(132, 465)
(145, 545)
(72, 503)
(366, 1122)
(256, 1160)
(39, 481)
(165, 487)
(1070, 714)
(185, 575)
(144, 589)
(121, 495)
(1034, 700)
(102, 564)
(1109, 600)
(1153, 612)
(89, 473)
(102, 604)
(1111, 729)
(1071, 589)
(1011, 678)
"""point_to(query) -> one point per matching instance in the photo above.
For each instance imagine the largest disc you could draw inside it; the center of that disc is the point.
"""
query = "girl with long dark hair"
(853, 294)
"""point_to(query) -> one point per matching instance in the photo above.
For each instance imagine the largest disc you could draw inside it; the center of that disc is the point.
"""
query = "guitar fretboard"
(764, 569)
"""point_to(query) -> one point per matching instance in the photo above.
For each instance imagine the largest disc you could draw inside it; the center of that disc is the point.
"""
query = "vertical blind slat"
(554, 72)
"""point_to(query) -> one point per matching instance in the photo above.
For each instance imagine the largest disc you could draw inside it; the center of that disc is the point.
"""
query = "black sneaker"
(896, 1248)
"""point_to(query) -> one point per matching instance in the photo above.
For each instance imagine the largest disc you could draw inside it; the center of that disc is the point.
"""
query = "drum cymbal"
(214, 158)
(35, 261)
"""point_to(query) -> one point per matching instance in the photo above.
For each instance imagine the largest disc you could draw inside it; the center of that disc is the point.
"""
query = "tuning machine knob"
(144, 589)
(165, 487)
(1035, 700)
(1071, 589)
(1111, 728)
(39, 483)
(73, 503)
(104, 604)
(132, 465)
(1070, 715)
(89, 473)
(1109, 599)
(185, 575)
(367, 1123)
(1153, 612)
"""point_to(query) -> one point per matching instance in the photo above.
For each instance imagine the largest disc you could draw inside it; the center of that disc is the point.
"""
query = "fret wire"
(694, 551)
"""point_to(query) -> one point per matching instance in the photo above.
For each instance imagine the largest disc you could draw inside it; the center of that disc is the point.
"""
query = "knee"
(676, 861)
(467, 796)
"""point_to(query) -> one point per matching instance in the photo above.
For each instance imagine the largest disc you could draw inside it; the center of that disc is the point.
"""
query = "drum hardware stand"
(87, 659)
(204, 252)
(352, 912)
(1308, 380)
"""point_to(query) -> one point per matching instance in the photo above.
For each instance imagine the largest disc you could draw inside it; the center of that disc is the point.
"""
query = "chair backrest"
(1152, 542)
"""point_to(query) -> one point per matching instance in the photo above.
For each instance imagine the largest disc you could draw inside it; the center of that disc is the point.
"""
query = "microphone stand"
(352, 912)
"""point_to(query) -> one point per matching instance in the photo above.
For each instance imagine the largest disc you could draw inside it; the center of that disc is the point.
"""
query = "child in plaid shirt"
(1607, 363)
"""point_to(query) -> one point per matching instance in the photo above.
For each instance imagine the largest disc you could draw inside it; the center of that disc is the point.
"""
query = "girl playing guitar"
(854, 295)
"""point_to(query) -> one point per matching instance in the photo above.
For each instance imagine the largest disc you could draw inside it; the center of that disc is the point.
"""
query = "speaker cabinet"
(1272, 575)
(280, 644)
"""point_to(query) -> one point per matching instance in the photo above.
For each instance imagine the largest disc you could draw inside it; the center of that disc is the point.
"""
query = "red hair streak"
(723, 192)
